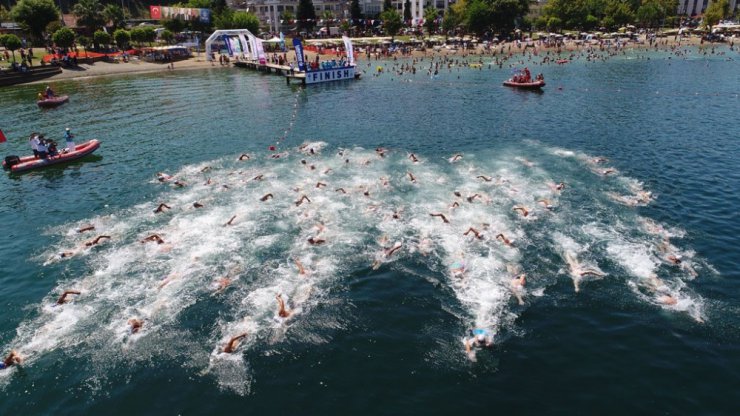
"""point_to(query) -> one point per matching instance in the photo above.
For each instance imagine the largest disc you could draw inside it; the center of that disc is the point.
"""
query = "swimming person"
(479, 338)
(521, 209)
(517, 287)
(577, 272)
(504, 240)
(153, 237)
(282, 311)
(12, 359)
(233, 343)
(136, 325)
(440, 216)
(63, 299)
(161, 208)
(475, 232)
(96, 240)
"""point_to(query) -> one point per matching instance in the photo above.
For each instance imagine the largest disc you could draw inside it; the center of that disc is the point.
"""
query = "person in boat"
(69, 139)
(540, 77)
(527, 75)
(43, 151)
(12, 359)
(34, 141)
(40, 96)
(49, 92)
(51, 147)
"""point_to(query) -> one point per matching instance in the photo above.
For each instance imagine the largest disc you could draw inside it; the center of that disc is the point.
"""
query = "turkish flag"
(155, 12)
(2, 137)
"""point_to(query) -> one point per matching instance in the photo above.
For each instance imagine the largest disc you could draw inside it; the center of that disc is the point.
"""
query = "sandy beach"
(510, 50)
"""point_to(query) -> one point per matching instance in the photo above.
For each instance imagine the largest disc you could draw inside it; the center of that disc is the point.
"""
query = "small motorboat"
(21, 164)
(53, 101)
(532, 85)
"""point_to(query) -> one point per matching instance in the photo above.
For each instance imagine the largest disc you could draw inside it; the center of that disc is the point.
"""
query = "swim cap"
(481, 337)
(67, 129)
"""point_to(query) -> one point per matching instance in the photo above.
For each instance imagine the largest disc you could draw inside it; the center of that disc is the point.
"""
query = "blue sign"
(299, 54)
(205, 15)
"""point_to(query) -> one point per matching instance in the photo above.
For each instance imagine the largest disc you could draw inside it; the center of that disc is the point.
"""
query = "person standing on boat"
(34, 140)
(41, 147)
(69, 138)
(49, 92)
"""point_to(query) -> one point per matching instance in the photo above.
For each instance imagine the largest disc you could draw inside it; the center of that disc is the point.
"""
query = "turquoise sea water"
(373, 333)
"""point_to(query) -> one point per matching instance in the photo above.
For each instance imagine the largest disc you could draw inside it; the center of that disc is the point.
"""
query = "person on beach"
(63, 298)
(283, 312)
(10, 360)
(233, 343)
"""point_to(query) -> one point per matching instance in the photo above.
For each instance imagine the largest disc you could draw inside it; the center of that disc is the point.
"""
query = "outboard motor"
(11, 161)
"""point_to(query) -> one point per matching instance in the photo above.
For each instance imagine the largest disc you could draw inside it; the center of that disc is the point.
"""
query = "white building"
(696, 7)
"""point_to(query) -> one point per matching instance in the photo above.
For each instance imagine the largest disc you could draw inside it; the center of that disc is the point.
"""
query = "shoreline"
(504, 51)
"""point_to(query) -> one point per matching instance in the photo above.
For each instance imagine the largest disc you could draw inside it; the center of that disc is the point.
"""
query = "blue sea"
(360, 219)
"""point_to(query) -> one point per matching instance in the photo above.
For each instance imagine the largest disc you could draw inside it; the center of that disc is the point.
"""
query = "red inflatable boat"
(53, 102)
(533, 85)
(16, 164)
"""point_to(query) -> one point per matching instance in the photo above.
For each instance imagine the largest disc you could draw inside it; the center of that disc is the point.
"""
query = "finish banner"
(183, 13)
(299, 54)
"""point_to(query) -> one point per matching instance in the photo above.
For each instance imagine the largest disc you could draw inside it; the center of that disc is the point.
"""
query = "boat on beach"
(26, 163)
(53, 101)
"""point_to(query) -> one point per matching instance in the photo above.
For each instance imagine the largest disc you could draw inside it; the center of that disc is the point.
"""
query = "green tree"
(450, 21)
(53, 26)
(392, 22)
(649, 14)
(34, 15)
(355, 10)
(554, 24)
(246, 20)
(4, 14)
(167, 36)
(327, 16)
(149, 34)
(64, 37)
(306, 15)
(478, 17)
(12, 43)
(287, 16)
(113, 14)
(407, 11)
(505, 13)
(430, 19)
(122, 38)
(101, 38)
(89, 14)
(591, 22)
(173, 25)
(620, 12)
(138, 35)
(85, 42)
(716, 11)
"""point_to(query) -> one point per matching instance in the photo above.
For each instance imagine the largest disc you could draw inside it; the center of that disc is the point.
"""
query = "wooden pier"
(282, 70)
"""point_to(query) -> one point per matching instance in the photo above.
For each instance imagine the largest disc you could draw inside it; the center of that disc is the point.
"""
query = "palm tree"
(89, 13)
(113, 14)
(327, 16)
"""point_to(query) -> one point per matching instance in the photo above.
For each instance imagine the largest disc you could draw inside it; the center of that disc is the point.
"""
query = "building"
(697, 7)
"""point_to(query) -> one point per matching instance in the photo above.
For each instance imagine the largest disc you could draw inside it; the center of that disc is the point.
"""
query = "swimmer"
(455, 158)
(266, 197)
(168, 279)
(413, 158)
(230, 221)
(485, 178)
(66, 254)
(153, 237)
(161, 208)
(300, 201)
(389, 251)
(282, 311)
(547, 204)
(320, 184)
(517, 286)
(96, 240)
(526, 162)
(197, 205)
(163, 177)
(12, 359)
(504, 240)
(180, 184)
(479, 338)
(244, 156)
(455, 205)
(557, 186)
(299, 265)
(86, 228)
(316, 241)
(258, 178)
(606, 172)
(577, 271)
(340, 190)
(380, 151)
(521, 209)
(205, 169)
(667, 300)
(475, 232)
(62, 299)
(599, 159)
(472, 197)
(411, 177)
(136, 325)
(440, 216)
(233, 343)
(222, 284)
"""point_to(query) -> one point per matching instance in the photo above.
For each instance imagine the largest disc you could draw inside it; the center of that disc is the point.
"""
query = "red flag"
(2, 137)
(155, 12)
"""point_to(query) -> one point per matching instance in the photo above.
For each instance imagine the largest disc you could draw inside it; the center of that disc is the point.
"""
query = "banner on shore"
(299, 54)
(183, 13)
(348, 48)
